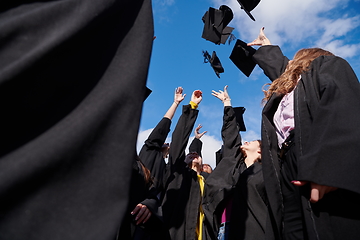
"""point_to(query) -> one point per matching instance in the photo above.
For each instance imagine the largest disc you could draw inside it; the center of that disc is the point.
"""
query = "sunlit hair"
(147, 175)
(288, 80)
(259, 159)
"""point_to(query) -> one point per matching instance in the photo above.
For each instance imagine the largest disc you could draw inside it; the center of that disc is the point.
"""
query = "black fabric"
(215, 22)
(248, 6)
(293, 217)
(182, 198)
(145, 193)
(151, 154)
(241, 56)
(72, 85)
(326, 103)
(249, 209)
(239, 112)
(231, 179)
(196, 146)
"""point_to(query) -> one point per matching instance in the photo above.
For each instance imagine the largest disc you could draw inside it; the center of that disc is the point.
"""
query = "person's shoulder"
(331, 59)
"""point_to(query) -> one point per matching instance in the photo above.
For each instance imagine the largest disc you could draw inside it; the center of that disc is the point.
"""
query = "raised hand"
(222, 95)
(198, 135)
(196, 96)
(179, 96)
(261, 40)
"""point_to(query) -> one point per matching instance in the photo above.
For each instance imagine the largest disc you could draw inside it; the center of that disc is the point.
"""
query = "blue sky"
(177, 56)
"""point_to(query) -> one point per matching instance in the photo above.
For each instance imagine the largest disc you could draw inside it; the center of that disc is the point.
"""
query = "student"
(196, 146)
(181, 202)
(235, 200)
(143, 220)
(310, 142)
(154, 151)
(207, 168)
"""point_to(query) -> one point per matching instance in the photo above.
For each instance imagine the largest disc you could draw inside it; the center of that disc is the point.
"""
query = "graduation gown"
(182, 195)
(245, 186)
(72, 84)
(326, 111)
(146, 194)
(151, 154)
(196, 146)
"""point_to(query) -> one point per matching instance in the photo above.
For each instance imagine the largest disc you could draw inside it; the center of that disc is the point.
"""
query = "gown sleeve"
(331, 154)
(151, 154)
(271, 59)
(222, 180)
(179, 141)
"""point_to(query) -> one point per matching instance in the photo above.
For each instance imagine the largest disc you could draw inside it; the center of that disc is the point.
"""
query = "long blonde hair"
(288, 80)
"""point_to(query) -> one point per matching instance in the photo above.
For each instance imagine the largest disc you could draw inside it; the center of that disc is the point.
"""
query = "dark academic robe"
(146, 194)
(326, 108)
(182, 194)
(72, 85)
(196, 146)
(232, 180)
(151, 154)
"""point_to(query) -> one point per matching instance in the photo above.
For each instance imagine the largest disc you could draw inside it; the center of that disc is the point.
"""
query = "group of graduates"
(288, 185)
(196, 204)
(72, 85)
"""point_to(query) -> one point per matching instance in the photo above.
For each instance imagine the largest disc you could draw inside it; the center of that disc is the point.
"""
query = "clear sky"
(177, 58)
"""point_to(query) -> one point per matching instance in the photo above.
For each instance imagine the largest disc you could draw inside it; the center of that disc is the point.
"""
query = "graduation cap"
(241, 56)
(248, 6)
(214, 62)
(215, 24)
(239, 111)
(227, 35)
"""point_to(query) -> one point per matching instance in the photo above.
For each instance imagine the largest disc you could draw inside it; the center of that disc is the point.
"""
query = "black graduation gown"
(231, 179)
(326, 108)
(182, 195)
(196, 146)
(151, 155)
(144, 193)
(72, 85)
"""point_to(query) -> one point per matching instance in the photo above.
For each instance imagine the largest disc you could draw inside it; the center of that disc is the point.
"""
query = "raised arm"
(229, 132)
(196, 144)
(151, 153)
(269, 57)
(180, 136)
(178, 98)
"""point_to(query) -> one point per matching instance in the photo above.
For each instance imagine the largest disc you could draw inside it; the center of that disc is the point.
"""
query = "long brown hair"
(288, 80)
(147, 175)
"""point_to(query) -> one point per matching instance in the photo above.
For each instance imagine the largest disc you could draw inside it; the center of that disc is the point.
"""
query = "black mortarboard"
(241, 56)
(215, 22)
(214, 62)
(227, 32)
(239, 111)
(248, 6)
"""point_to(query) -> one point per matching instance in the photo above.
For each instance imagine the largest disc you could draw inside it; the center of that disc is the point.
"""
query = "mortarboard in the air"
(215, 24)
(214, 62)
(241, 56)
(248, 6)
(239, 111)
(227, 35)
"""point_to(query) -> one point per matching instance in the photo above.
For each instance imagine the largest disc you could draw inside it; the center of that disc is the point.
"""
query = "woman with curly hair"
(310, 142)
